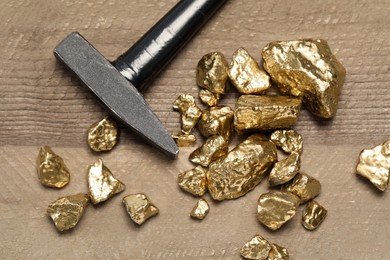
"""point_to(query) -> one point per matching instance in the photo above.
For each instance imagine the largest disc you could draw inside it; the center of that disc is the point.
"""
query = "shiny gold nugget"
(313, 215)
(189, 111)
(262, 113)
(67, 211)
(278, 253)
(52, 171)
(193, 181)
(308, 69)
(200, 210)
(102, 184)
(139, 207)
(275, 208)
(217, 121)
(256, 248)
(183, 140)
(102, 135)
(242, 169)
(212, 72)
(288, 140)
(285, 170)
(246, 75)
(374, 164)
(303, 186)
(209, 98)
(213, 148)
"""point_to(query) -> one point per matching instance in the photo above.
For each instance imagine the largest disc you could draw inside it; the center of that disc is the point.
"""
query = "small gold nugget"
(209, 98)
(212, 72)
(52, 171)
(217, 121)
(374, 164)
(213, 148)
(67, 211)
(285, 170)
(303, 186)
(276, 208)
(183, 140)
(264, 113)
(189, 111)
(246, 75)
(242, 169)
(256, 248)
(193, 181)
(289, 140)
(278, 253)
(102, 135)
(200, 210)
(313, 215)
(139, 207)
(102, 184)
(308, 69)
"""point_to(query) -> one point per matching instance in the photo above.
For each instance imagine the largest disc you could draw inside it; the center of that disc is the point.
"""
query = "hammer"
(117, 84)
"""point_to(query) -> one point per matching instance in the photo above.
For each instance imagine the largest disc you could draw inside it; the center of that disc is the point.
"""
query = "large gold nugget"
(193, 181)
(183, 140)
(285, 170)
(52, 171)
(212, 72)
(139, 207)
(102, 135)
(262, 113)
(213, 148)
(217, 121)
(276, 208)
(246, 75)
(200, 210)
(313, 215)
(374, 164)
(67, 211)
(256, 248)
(303, 186)
(102, 184)
(242, 169)
(278, 253)
(209, 98)
(189, 111)
(289, 140)
(308, 69)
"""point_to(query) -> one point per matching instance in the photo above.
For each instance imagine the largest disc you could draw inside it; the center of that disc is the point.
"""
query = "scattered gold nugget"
(256, 248)
(374, 164)
(217, 121)
(209, 98)
(313, 215)
(246, 75)
(189, 111)
(139, 207)
(200, 210)
(213, 148)
(278, 253)
(193, 181)
(303, 186)
(102, 184)
(52, 171)
(289, 140)
(253, 113)
(242, 169)
(67, 211)
(276, 208)
(212, 72)
(183, 140)
(102, 135)
(285, 170)
(308, 69)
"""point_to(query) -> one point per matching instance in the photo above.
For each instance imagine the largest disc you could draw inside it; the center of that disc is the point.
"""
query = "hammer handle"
(151, 53)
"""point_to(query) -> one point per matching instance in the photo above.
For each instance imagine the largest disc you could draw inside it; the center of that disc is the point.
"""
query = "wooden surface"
(41, 103)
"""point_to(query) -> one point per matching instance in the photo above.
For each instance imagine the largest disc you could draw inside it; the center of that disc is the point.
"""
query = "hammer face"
(116, 93)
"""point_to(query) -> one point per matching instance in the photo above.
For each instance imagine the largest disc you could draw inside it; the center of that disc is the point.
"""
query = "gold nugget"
(303, 186)
(183, 140)
(313, 215)
(285, 170)
(262, 113)
(374, 164)
(242, 169)
(139, 207)
(289, 140)
(308, 69)
(212, 72)
(213, 148)
(246, 75)
(256, 248)
(217, 121)
(102, 135)
(189, 111)
(200, 210)
(102, 184)
(275, 208)
(209, 98)
(193, 181)
(52, 171)
(278, 253)
(67, 211)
